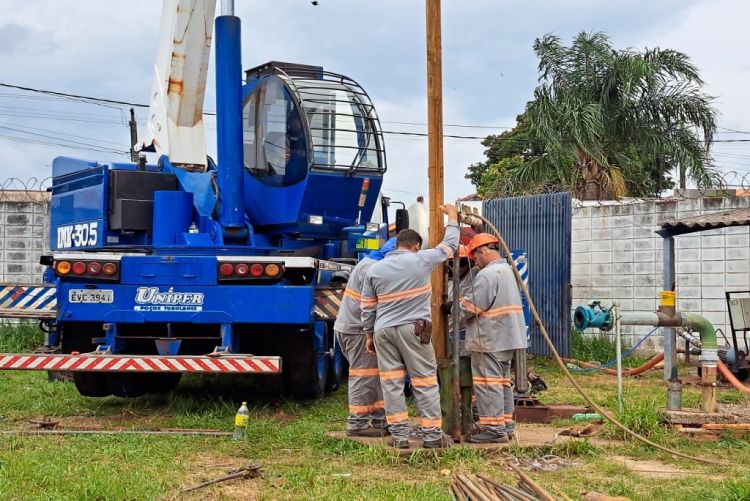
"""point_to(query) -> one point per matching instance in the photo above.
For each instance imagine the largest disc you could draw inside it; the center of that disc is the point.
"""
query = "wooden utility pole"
(435, 164)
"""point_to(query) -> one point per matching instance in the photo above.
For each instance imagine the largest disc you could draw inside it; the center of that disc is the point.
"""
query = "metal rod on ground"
(544, 495)
(485, 489)
(504, 487)
(509, 490)
(566, 372)
(251, 471)
(475, 491)
(618, 354)
(203, 433)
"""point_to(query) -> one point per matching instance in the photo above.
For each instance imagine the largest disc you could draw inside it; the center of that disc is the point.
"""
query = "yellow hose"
(565, 370)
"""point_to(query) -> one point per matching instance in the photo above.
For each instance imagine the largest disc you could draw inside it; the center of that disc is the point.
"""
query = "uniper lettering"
(151, 299)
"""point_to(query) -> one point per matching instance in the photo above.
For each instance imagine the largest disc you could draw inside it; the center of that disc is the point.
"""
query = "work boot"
(510, 434)
(399, 443)
(370, 431)
(438, 443)
(380, 425)
(487, 437)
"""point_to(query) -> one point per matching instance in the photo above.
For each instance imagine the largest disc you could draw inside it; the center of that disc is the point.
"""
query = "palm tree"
(618, 121)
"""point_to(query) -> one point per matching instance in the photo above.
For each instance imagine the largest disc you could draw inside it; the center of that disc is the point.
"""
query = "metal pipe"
(456, 326)
(637, 318)
(229, 125)
(618, 354)
(227, 7)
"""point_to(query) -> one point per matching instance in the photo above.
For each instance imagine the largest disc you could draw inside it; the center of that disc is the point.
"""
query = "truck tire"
(76, 336)
(306, 373)
(135, 385)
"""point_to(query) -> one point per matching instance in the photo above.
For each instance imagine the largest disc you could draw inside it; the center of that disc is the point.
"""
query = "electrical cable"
(627, 353)
(567, 372)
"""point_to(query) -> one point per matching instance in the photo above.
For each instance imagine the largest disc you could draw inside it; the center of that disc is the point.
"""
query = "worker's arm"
(369, 306)
(479, 297)
(445, 249)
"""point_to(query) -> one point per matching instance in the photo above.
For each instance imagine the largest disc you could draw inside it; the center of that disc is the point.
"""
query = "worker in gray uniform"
(396, 315)
(366, 408)
(494, 328)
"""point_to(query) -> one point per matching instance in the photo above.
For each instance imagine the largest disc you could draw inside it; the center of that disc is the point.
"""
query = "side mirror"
(402, 219)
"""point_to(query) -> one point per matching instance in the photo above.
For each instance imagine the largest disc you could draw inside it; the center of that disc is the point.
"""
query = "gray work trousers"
(492, 387)
(399, 351)
(366, 405)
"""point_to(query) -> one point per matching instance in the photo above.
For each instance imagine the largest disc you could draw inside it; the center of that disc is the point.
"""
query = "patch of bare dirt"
(651, 468)
(125, 420)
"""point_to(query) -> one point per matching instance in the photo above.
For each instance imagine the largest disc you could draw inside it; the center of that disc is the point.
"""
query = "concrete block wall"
(24, 235)
(616, 254)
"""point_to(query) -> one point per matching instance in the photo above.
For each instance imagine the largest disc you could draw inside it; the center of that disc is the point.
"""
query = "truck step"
(226, 364)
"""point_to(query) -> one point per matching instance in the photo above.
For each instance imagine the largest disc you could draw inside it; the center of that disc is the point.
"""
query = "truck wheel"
(306, 373)
(135, 385)
(77, 337)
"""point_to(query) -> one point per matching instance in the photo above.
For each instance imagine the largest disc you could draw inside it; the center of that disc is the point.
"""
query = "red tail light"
(256, 270)
(87, 269)
(226, 270)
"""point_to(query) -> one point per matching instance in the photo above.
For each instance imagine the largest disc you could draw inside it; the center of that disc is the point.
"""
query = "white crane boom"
(175, 118)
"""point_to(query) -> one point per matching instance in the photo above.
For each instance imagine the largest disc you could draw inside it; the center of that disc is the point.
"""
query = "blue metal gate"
(541, 225)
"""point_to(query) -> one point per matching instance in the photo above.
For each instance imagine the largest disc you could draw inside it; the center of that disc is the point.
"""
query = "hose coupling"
(709, 357)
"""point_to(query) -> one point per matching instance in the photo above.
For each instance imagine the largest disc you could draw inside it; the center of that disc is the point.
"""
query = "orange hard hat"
(463, 251)
(480, 240)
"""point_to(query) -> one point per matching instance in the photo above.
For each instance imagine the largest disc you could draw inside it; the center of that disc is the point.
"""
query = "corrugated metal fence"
(541, 225)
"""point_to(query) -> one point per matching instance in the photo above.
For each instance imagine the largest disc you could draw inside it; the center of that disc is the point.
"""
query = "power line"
(98, 100)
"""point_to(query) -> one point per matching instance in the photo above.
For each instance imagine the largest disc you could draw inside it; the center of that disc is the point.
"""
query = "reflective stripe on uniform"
(424, 381)
(488, 381)
(373, 372)
(491, 421)
(508, 416)
(502, 311)
(349, 292)
(397, 374)
(493, 313)
(359, 409)
(407, 294)
(429, 423)
(399, 417)
(377, 406)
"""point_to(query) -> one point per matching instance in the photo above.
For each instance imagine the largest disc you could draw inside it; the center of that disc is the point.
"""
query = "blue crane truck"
(187, 264)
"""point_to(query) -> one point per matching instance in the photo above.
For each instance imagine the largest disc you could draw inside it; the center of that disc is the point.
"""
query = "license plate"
(105, 296)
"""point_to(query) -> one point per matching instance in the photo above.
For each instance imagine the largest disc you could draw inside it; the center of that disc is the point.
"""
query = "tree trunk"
(590, 184)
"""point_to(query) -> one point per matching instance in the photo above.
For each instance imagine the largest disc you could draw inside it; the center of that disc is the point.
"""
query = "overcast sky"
(106, 48)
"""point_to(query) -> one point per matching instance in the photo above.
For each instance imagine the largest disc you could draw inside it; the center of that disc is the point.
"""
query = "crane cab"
(313, 149)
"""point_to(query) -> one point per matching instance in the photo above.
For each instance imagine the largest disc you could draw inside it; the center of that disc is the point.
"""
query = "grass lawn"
(300, 462)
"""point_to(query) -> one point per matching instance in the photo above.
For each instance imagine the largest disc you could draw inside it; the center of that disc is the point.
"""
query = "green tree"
(608, 123)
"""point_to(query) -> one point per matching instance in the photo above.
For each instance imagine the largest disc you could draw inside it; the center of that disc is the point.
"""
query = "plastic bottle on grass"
(240, 422)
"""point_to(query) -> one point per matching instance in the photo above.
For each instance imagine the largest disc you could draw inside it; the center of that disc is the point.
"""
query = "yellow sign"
(668, 298)
(372, 244)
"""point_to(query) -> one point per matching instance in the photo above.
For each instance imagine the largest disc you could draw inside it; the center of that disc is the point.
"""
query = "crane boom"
(175, 121)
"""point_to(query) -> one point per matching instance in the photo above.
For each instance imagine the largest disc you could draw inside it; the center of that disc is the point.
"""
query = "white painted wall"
(616, 254)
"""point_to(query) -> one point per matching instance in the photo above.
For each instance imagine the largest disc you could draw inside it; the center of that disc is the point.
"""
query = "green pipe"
(704, 328)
